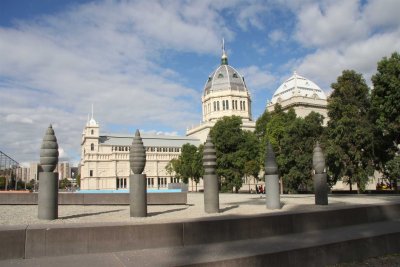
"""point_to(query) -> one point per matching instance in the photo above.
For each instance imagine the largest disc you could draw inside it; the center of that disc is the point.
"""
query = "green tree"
(234, 148)
(293, 140)
(297, 150)
(392, 170)
(188, 165)
(64, 183)
(385, 99)
(172, 168)
(349, 134)
(261, 123)
(2, 182)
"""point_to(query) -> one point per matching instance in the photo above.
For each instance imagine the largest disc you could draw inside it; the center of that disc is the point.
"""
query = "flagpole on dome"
(224, 58)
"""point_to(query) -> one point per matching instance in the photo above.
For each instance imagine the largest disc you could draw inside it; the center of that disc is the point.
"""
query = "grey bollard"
(137, 180)
(272, 197)
(48, 180)
(211, 194)
(320, 180)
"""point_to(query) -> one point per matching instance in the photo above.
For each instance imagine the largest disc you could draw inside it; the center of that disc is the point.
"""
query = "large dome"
(297, 85)
(224, 78)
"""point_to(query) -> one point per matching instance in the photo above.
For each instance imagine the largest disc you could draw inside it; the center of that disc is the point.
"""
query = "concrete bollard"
(211, 194)
(48, 180)
(137, 180)
(272, 197)
(320, 179)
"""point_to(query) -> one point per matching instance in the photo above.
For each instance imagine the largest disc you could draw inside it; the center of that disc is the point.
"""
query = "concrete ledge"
(56, 239)
(259, 226)
(12, 242)
(175, 198)
(318, 248)
(315, 248)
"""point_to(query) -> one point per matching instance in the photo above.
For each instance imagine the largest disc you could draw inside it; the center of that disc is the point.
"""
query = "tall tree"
(188, 165)
(349, 144)
(393, 170)
(172, 168)
(293, 140)
(261, 123)
(234, 148)
(297, 150)
(385, 99)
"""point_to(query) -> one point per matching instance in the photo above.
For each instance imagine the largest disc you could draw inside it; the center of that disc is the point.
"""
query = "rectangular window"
(91, 173)
(227, 104)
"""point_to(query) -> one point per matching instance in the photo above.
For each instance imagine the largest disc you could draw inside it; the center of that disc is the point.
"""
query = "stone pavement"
(230, 204)
(283, 250)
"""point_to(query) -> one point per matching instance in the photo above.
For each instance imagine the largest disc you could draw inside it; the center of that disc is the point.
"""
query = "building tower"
(225, 94)
(90, 148)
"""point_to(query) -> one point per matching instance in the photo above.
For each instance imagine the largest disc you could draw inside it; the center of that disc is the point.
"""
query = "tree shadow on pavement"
(165, 211)
(88, 214)
(229, 208)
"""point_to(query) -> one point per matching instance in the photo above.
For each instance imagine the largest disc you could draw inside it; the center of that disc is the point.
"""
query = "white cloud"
(173, 133)
(277, 36)
(383, 13)
(330, 23)
(18, 119)
(257, 78)
(345, 35)
(109, 53)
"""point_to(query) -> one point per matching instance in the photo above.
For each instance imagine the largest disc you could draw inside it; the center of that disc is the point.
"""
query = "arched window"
(92, 132)
(244, 105)
(92, 147)
(220, 75)
(235, 75)
(241, 105)
(218, 105)
(215, 106)
(227, 104)
(236, 104)
(223, 104)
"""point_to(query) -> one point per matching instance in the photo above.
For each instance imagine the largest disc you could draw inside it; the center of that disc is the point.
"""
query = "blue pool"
(101, 191)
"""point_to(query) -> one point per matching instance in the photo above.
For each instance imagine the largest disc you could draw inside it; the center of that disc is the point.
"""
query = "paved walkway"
(230, 204)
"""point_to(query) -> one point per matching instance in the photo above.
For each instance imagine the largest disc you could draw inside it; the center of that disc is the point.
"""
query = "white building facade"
(105, 157)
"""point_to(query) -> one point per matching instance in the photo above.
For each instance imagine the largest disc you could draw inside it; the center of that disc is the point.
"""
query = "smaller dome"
(92, 122)
(297, 85)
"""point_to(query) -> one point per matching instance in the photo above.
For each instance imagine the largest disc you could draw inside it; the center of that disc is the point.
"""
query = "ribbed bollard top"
(209, 157)
(318, 159)
(49, 151)
(270, 163)
(137, 155)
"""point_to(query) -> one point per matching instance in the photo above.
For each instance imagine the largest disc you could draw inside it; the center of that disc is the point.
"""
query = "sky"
(143, 64)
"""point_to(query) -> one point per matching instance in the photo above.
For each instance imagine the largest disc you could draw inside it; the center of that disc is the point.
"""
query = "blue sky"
(143, 64)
